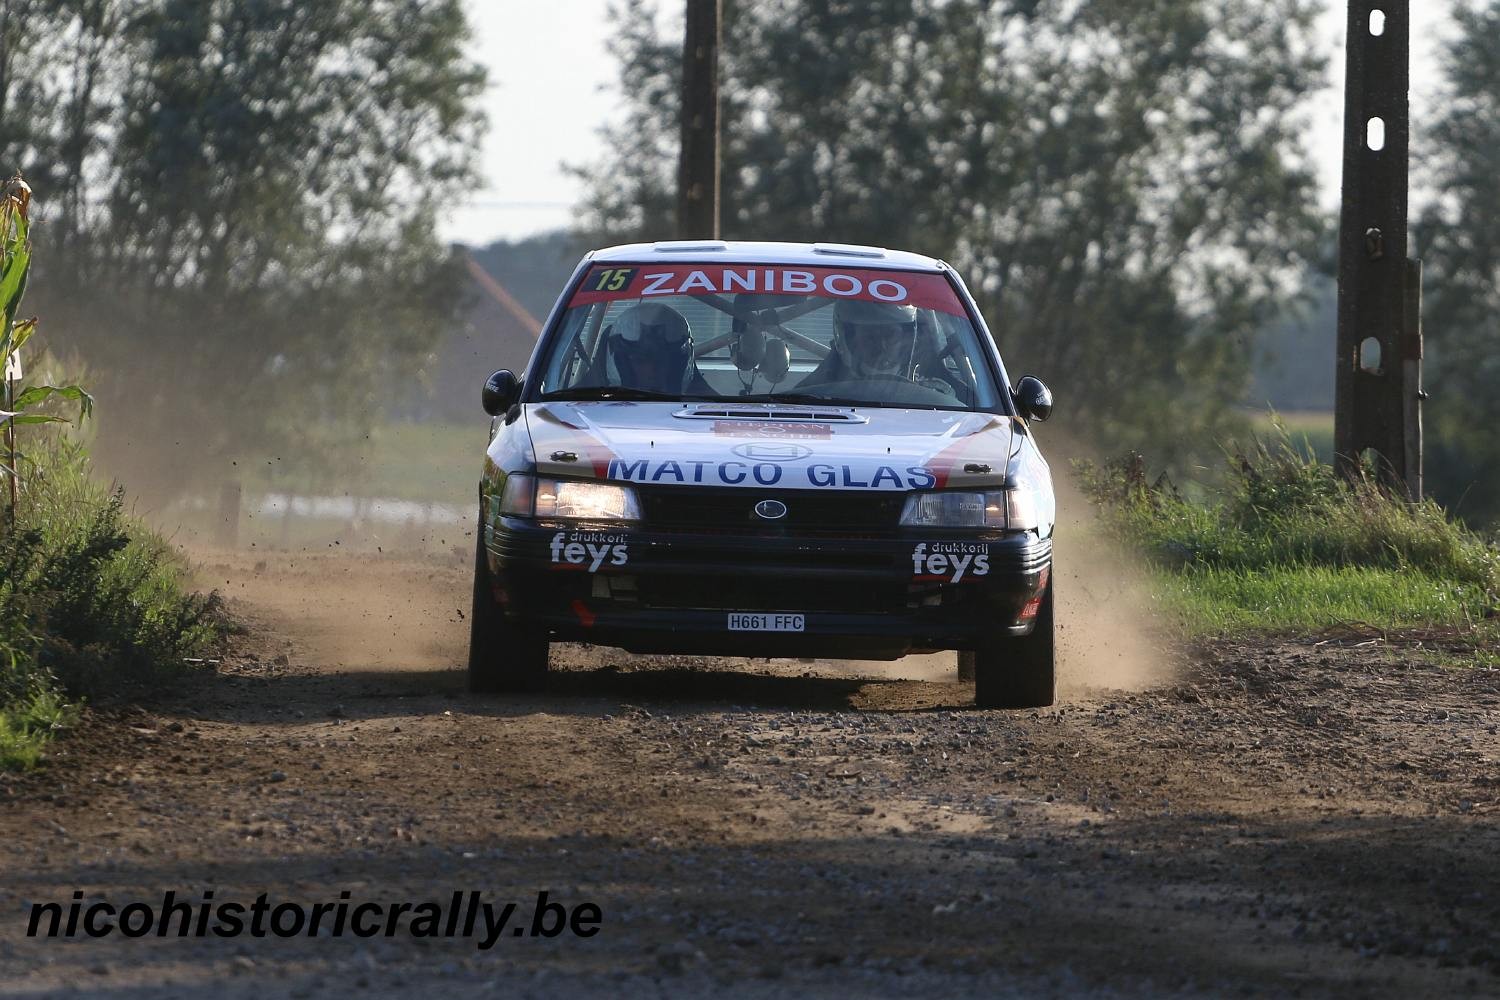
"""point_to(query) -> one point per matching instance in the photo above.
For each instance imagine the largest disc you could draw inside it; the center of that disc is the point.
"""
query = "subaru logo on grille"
(772, 451)
(770, 510)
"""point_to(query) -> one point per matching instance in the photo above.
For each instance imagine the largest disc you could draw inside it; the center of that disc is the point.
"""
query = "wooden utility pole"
(698, 168)
(1378, 378)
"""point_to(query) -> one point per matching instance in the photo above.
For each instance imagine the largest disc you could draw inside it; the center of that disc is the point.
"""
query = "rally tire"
(966, 659)
(1021, 671)
(503, 656)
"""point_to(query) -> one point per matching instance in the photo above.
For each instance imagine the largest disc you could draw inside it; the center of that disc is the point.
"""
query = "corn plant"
(15, 264)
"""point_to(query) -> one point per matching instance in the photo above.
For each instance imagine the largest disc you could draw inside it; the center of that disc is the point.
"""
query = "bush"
(1280, 507)
(1285, 539)
(91, 602)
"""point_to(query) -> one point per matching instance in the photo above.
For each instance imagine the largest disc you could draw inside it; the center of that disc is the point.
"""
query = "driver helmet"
(650, 346)
(875, 338)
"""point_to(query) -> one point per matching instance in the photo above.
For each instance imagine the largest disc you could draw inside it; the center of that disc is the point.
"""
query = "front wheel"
(1019, 672)
(503, 656)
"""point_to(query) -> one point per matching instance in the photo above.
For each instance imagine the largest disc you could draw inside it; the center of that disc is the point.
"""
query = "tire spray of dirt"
(1109, 629)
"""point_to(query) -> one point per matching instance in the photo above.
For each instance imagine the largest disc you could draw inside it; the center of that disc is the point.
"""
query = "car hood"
(759, 445)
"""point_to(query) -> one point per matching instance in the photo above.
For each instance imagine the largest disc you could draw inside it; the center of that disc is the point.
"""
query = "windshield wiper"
(624, 392)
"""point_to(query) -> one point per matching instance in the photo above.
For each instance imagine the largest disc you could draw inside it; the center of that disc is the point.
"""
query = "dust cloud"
(351, 611)
(368, 598)
(1109, 631)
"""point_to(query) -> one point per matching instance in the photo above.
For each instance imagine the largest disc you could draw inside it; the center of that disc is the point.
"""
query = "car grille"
(813, 512)
(759, 594)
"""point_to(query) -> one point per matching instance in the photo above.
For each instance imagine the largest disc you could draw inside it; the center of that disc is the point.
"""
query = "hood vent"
(769, 412)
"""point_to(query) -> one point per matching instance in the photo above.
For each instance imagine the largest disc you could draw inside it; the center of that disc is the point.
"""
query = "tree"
(61, 64)
(1121, 182)
(255, 265)
(1459, 241)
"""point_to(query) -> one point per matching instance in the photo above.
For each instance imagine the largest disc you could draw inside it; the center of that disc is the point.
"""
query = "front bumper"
(859, 597)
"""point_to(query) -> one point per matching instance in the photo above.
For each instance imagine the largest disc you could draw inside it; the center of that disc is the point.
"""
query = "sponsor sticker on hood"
(886, 449)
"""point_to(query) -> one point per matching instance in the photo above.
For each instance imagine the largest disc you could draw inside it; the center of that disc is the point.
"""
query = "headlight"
(541, 496)
(1014, 509)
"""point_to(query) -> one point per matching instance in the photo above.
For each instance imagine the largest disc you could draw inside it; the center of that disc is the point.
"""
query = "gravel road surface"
(1289, 818)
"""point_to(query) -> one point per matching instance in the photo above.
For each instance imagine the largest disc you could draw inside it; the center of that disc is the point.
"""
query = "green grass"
(1283, 544)
(28, 723)
(1209, 601)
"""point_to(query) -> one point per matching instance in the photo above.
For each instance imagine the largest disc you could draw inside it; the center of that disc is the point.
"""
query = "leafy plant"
(15, 267)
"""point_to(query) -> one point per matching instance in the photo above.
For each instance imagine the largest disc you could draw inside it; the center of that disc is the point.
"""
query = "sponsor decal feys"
(588, 550)
(950, 561)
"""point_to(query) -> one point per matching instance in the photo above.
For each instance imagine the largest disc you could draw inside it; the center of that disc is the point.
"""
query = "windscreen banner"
(617, 282)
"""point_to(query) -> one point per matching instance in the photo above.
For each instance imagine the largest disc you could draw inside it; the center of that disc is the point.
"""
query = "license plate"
(741, 622)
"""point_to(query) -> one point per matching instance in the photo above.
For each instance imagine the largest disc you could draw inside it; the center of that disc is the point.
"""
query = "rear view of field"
(1311, 817)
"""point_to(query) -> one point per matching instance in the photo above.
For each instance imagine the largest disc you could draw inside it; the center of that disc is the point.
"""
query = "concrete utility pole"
(698, 168)
(1378, 378)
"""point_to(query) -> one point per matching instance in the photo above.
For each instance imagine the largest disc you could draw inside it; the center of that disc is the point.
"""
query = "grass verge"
(1212, 600)
(91, 603)
(1283, 544)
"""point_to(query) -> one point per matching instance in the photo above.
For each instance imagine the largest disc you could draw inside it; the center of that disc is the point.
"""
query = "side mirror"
(1033, 398)
(501, 392)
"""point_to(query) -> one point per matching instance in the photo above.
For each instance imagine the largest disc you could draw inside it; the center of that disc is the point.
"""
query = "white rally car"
(766, 449)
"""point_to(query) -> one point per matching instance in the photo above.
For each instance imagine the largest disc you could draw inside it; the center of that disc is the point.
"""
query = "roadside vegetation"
(91, 602)
(1283, 544)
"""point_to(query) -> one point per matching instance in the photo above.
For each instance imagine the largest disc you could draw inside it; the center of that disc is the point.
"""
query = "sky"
(552, 87)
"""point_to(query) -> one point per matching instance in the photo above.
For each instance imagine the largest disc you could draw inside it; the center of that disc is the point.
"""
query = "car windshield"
(784, 333)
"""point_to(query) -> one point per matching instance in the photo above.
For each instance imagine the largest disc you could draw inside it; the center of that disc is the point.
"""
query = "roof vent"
(691, 246)
(846, 250)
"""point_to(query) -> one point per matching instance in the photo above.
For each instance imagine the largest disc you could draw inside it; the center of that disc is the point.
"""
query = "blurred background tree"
(243, 243)
(1123, 183)
(1459, 239)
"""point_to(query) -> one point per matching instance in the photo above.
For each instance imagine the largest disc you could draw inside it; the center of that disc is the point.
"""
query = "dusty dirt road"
(1284, 819)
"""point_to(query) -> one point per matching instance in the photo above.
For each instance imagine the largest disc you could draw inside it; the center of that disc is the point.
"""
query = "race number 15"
(613, 279)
